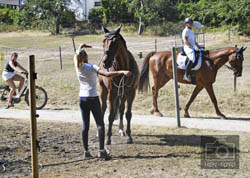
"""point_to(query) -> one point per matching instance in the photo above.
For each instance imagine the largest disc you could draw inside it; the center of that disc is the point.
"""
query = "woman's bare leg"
(12, 89)
(21, 81)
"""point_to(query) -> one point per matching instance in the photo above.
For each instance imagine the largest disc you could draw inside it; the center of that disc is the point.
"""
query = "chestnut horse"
(160, 64)
(119, 89)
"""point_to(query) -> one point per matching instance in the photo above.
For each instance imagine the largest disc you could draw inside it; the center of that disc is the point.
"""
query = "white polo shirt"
(87, 77)
(191, 39)
(190, 34)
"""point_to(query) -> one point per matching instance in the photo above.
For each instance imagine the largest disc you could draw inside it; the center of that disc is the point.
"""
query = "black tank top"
(8, 67)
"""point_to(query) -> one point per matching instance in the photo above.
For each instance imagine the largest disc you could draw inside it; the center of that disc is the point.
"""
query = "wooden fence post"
(177, 108)
(33, 124)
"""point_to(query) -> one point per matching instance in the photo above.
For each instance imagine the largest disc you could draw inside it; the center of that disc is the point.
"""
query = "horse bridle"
(236, 56)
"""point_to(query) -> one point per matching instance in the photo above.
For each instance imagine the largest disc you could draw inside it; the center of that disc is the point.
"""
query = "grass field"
(62, 85)
(156, 152)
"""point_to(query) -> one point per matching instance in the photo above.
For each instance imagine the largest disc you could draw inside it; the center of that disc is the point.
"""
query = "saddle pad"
(182, 59)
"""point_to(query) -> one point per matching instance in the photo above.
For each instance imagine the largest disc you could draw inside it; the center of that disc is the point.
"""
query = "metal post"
(33, 124)
(74, 44)
(155, 45)
(176, 87)
(235, 80)
(60, 54)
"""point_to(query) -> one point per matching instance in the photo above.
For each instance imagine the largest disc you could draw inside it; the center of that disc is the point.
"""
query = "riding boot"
(187, 76)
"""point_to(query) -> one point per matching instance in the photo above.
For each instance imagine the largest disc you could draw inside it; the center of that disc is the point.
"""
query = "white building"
(82, 7)
(16, 3)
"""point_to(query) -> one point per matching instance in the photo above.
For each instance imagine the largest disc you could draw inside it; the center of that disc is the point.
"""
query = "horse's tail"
(144, 75)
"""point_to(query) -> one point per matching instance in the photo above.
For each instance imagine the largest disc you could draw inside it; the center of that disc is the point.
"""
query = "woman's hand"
(126, 73)
(85, 46)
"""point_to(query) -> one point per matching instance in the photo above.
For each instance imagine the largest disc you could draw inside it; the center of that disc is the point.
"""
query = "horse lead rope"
(120, 86)
(120, 94)
(4, 169)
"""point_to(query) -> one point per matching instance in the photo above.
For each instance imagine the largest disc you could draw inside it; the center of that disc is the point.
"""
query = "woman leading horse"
(118, 89)
(160, 64)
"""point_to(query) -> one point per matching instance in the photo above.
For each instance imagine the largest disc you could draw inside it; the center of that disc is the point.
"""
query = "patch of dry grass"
(62, 85)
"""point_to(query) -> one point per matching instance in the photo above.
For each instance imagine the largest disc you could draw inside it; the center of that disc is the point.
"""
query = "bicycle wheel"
(41, 97)
(5, 90)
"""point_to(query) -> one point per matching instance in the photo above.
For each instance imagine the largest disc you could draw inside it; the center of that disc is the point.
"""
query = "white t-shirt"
(87, 78)
(190, 34)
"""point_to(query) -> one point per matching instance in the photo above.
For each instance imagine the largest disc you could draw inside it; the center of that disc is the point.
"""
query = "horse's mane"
(219, 49)
(123, 40)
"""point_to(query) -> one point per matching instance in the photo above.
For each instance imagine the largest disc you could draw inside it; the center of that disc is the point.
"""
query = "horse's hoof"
(158, 114)
(151, 110)
(121, 133)
(129, 140)
(186, 115)
(108, 142)
(223, 117)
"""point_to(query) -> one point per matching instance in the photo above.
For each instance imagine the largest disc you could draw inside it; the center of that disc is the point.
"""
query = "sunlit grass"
(62, 85)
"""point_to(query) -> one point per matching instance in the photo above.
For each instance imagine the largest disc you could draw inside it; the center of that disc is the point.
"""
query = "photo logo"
(220, 152)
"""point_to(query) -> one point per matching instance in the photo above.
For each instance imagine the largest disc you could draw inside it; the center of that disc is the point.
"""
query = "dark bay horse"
(160, 64)
(119, 90)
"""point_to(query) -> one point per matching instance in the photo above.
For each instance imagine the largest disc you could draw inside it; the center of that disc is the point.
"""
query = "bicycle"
(41, 94)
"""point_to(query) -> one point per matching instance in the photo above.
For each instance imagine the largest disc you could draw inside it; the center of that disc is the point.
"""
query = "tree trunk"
(57, 25)
(140, 30)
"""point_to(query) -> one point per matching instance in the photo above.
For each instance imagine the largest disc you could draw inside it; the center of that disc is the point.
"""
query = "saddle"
(183, 60)
(197, 55)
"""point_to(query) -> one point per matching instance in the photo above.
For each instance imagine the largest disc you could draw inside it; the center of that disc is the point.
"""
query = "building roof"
(11, 2)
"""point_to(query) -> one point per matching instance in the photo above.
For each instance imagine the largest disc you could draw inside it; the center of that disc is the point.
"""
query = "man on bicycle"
(10, 76)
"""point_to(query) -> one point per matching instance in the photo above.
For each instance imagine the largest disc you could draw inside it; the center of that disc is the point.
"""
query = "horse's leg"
(193, 96)
(112, 113)
(103, 99)
(210, 91)
(159, 82)
(111, 120)
(122, 107)
(130, 100)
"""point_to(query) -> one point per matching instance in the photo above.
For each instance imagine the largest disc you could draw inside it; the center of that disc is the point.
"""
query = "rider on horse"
(190, 46)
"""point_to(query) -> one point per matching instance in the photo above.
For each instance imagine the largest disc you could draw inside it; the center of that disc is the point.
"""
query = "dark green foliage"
(47, 14)
(116, 11)
(96, 15)
(9, 16)
(151, 14)
(212, 13)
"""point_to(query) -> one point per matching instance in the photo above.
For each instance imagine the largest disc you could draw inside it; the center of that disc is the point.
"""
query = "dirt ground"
(156, 152)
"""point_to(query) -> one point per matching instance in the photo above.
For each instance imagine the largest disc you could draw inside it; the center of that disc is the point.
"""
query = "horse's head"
(236, 60)
(111, 44)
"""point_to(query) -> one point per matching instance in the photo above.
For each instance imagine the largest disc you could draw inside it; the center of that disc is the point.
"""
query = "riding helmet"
(188, 20)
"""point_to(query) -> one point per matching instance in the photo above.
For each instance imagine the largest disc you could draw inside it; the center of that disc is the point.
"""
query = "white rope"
(120, 86)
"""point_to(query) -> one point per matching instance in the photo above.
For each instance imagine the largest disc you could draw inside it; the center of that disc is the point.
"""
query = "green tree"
(154, 11)
(214, 13)
(46, 14)
(116, 11)
(96, 15)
